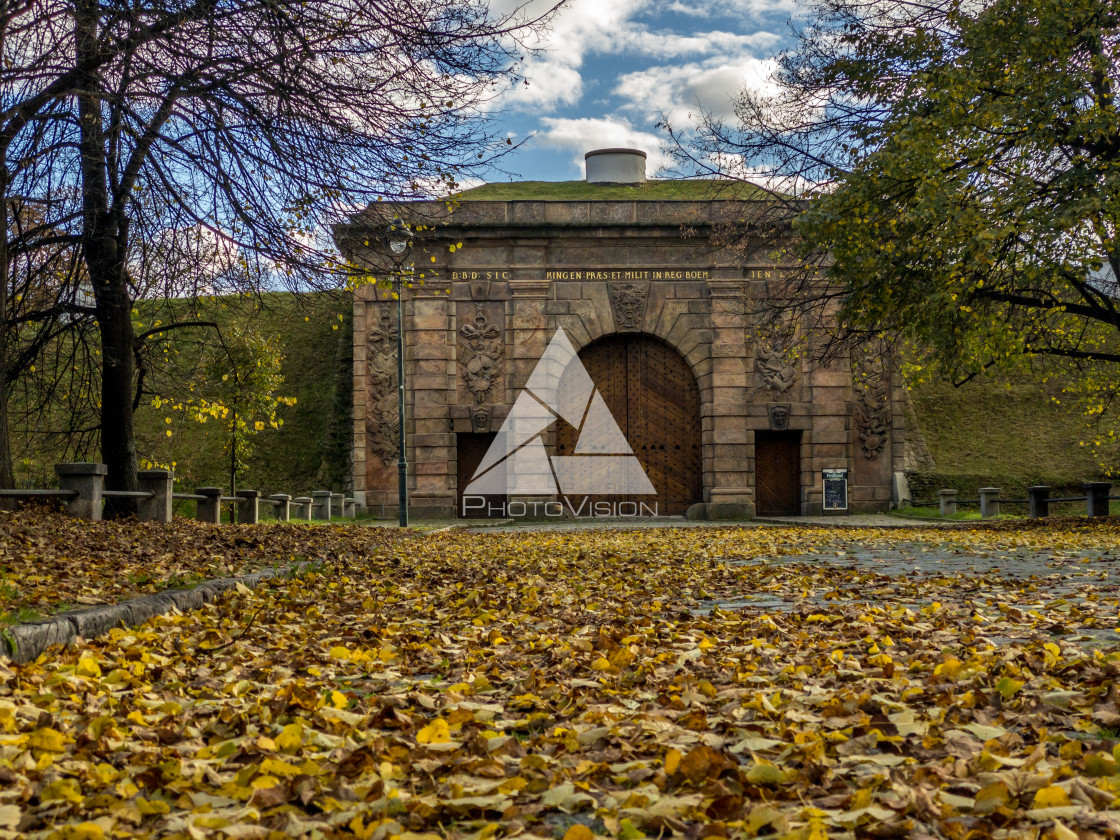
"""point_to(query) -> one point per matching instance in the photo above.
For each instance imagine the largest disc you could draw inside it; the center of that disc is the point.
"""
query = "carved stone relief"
(480, 418)
(872, 388)
(382, 415)
(776, 371)
(628, 301)
(779, 416)
(482, 353)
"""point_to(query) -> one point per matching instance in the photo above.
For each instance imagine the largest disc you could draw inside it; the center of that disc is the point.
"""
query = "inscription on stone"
(481, 275)
(630, 274)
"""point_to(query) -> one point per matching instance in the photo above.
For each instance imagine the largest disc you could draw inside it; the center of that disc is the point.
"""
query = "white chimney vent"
(615, 166)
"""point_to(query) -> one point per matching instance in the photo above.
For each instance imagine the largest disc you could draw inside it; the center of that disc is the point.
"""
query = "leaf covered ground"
(50, 563)
(599, 683)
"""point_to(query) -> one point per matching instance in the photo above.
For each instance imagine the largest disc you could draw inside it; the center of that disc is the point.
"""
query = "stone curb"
(24, 642)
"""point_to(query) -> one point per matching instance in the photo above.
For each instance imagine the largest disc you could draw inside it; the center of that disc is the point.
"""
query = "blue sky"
(610, 67)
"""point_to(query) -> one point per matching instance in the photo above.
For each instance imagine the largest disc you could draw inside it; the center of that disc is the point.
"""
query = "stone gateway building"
(726, 424)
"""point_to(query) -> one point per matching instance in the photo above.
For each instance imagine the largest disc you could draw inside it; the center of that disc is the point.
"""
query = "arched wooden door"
(653, 396)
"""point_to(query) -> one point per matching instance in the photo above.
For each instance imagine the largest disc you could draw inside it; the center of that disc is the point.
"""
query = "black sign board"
(835, 489)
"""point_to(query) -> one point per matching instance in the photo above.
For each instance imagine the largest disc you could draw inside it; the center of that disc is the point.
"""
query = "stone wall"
(482, 317)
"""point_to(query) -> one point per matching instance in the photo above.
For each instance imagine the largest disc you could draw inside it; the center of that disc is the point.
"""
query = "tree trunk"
(118, 447)
(105, 243)
(7, 476)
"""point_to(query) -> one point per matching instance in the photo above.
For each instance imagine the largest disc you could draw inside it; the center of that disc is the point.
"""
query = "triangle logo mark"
(516, 462)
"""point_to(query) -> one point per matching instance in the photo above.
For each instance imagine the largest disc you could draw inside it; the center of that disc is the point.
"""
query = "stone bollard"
(161, 484)
(947, 500)
(1096, 493)
(989, 502)
(348, 509)
(321, 504)
(248, 507)
(1038, 497)
(210, 508)
(283, 506)
(336, 505)
(88, 481)
(301, 508)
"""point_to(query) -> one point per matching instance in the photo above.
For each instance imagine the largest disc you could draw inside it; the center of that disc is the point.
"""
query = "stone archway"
(652, 393)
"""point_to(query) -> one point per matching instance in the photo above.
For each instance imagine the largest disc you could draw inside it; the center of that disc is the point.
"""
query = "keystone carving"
(872, 388)
(483, 351)
(382, 414)
(480, 418)
(779, 416)
(628, 300)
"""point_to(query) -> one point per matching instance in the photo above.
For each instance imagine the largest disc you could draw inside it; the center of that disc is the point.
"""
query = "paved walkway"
(874, 520)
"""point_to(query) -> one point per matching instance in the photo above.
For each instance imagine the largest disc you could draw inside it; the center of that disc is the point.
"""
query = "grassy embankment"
(988, 433)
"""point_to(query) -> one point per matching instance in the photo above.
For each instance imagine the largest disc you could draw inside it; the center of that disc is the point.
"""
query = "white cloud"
(670, 44)
(585, 27)
(744, 8)
(553, 74)
(679, 91)
(580, 136)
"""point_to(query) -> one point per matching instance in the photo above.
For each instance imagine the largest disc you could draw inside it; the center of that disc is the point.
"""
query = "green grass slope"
(1011, 436)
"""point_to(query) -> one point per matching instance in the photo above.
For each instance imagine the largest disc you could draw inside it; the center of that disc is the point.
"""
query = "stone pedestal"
(282, 506)
(210, 508)
(248, 507)
(1097, 493)
(989, 502)
(301, 508)
(947, 501)
(88, 482)
(321, 505)
(161, 484)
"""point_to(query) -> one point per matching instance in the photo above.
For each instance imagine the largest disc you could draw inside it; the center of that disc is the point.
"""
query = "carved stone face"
(630, 301)
(480, 419)
(779, 417)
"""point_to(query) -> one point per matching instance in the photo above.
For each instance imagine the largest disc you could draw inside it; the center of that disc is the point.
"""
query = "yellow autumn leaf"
(47, 739)
(152, 806)
(578, 832)
(1008, 687)
(278, 767)
(765, 774)
(290, 738)
(672, 761)
(81, 831)
(436, 732)
(88, 667)
(64, 789)
(1051, 797)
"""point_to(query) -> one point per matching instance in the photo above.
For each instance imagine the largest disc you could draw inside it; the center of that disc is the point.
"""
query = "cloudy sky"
(612, 67)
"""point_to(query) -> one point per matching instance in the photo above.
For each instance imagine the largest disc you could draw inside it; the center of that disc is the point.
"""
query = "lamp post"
(396, 237)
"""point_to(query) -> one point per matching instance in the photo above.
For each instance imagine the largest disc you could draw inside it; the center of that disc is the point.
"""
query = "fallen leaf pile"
(600, 684)
(50, 562)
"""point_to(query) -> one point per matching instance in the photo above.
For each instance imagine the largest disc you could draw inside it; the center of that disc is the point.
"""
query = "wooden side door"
(471, 448)
(777, 473)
